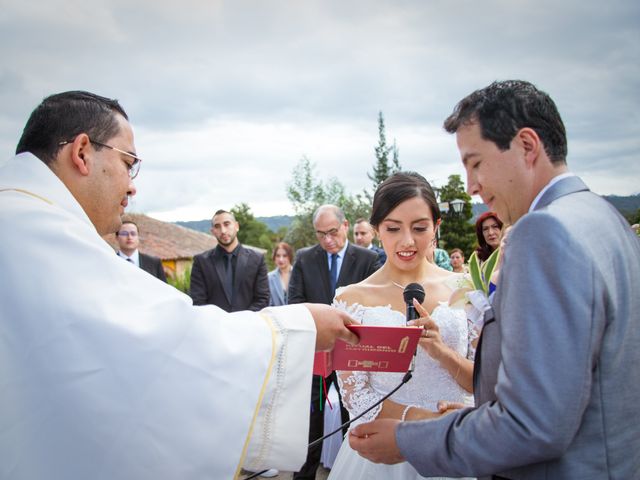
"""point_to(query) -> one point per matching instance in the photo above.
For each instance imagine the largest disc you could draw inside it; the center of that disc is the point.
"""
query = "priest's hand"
(330, 325)
(376, 441)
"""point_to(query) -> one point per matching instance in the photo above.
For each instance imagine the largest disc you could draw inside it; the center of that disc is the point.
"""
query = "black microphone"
(411, 291)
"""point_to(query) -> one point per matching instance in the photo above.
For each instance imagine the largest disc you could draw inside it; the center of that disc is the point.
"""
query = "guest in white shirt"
(128, 240)
(363, 234)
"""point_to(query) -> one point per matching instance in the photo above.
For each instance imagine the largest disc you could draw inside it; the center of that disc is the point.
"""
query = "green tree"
(181, 282)
(252, 232)
(396, 157)
(455, 230)
(382, 169)
(307, 192)
(633, 217)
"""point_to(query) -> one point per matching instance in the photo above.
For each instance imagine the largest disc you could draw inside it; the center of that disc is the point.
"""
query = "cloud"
(225, 97)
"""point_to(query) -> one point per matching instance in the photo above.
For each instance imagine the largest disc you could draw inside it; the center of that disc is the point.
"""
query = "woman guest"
(456, 257)
(279, 277)
(488, 231)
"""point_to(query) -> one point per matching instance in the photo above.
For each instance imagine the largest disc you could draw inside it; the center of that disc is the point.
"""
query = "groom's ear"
(531, 145)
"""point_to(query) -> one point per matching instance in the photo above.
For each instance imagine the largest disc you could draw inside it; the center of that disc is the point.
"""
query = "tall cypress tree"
(382, 170)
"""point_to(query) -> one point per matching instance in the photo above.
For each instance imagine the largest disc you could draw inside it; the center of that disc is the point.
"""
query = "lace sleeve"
(475, 310)
(461, 287)
(357, 395)
(474, 334)
(355, 388)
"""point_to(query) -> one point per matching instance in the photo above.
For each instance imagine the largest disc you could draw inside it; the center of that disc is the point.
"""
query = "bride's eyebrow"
(392, 220)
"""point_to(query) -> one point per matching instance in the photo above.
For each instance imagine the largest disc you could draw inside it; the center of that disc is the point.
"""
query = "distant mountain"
(477, 209)
(273, 223)
(199, 225)
(625, 205)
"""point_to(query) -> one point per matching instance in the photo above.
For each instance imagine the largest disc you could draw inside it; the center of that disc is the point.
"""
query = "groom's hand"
(376, 441)
(331, 325)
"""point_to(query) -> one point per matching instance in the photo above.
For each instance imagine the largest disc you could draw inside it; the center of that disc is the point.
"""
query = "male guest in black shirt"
(230, 276)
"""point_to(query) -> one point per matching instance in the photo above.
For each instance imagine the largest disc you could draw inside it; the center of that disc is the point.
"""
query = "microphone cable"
(411, 291)
(405, 379)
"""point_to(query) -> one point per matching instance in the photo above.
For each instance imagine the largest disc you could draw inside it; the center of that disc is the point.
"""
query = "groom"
(555, 375)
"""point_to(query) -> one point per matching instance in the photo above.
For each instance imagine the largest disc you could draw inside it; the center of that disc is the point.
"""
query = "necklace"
(403, 287)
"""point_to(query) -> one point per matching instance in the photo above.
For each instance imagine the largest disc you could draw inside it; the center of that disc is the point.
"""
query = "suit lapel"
(563, 187)
(345, 269)
(279, 291)
(489, 317)
(142, 261)
(323, 268)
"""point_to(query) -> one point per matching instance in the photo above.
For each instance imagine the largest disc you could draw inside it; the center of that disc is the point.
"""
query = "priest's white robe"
(108, 373)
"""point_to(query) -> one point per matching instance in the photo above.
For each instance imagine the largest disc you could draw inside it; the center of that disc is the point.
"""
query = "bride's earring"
(434, 241)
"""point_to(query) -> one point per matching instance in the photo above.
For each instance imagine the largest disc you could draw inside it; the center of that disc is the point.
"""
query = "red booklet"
(381, 349)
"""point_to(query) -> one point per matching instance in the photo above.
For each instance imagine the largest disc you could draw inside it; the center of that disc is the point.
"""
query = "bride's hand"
(430, 339)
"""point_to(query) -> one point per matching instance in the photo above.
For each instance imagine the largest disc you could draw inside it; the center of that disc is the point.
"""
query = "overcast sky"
(225, 97)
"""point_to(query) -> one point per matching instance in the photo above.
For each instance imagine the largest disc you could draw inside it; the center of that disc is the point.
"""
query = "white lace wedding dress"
(429, 384)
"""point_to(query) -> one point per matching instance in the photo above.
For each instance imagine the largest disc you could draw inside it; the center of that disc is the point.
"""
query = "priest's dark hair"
(396, 189)
(63, 116)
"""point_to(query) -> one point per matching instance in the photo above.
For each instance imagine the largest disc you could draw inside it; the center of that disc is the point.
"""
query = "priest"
(107, 372)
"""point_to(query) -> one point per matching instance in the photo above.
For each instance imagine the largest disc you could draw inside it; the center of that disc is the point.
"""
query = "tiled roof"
(166, 240)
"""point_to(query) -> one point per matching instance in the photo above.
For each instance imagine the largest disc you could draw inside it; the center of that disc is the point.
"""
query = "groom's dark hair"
(503, 108)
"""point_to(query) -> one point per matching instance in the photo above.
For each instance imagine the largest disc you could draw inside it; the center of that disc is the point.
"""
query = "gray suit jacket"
(555, 377)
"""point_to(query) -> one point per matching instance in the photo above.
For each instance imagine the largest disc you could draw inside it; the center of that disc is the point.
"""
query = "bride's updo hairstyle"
(399, 187)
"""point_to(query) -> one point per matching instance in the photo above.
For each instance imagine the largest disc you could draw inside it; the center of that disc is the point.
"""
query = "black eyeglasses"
(333, 233)
(134, 167)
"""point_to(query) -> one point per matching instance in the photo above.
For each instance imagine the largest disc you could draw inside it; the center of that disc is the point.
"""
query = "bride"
(406, 216)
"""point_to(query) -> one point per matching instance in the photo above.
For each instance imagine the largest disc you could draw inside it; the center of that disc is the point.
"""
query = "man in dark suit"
(363, 234)
(554, 378)
(128, 240)
(230, 276)
(317, 272)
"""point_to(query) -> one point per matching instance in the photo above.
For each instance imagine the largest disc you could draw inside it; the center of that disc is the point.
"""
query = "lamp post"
(452, 208)
(449, 209)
